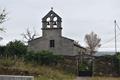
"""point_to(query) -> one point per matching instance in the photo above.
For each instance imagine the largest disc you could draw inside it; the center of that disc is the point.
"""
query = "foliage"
(2, 51)
(3, 16)
(83, 67)
(103, 62)
(40, 72)
(16, 49)
(117, 62)
(118, 55)
(93, 42)
(43, 58)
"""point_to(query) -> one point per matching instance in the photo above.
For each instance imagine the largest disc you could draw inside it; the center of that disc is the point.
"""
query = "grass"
(105, 78)
(101, 78)
(40, 72)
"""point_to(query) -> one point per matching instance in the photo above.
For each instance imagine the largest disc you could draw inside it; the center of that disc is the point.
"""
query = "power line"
(117, 26)
(110, 39)
(115, 37)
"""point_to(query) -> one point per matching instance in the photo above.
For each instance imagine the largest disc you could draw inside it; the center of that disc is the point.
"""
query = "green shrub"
(43, 58)
(83, 67)
(16, 49)
(2, 50)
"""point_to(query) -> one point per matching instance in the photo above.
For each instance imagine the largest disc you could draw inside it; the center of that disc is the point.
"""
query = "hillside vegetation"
(16, 60)
(41, 72)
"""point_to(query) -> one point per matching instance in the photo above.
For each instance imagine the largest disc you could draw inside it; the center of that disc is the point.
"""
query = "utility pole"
(115, 37)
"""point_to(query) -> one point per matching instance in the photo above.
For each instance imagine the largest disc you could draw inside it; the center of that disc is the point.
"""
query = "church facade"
(52, 39)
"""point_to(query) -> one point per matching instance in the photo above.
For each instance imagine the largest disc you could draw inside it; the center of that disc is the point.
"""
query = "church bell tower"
(51, 24)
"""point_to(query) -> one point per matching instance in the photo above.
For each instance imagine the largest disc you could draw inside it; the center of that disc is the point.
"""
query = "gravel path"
(82, 78)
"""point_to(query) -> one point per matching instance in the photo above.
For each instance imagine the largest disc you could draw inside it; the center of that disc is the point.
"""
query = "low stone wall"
(14, 77)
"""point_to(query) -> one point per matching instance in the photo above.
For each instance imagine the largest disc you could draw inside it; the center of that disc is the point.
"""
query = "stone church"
(52, 39)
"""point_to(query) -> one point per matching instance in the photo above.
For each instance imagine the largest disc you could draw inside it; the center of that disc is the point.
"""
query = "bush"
(16, 49)
(2, 50)
(83, 67)
(117, 62)
(106, 65)
(43, 58)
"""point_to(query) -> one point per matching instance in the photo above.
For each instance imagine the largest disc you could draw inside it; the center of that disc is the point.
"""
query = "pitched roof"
(49, 14)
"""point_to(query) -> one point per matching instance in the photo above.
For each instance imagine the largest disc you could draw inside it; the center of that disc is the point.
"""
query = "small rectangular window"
(52, 43)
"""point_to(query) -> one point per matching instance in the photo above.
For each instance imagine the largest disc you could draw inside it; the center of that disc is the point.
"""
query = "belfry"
(52, 39)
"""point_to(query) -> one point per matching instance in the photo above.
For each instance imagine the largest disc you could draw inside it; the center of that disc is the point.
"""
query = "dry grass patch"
(40, 72)
(105, 78)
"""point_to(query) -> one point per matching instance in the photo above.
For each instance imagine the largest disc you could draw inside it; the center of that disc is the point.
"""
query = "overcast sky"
(79, 17)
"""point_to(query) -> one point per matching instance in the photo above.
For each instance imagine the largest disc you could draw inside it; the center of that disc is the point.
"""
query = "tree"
(93, 42)
(16, 49)
(29, 35)
(2, 51)
(3, 16)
